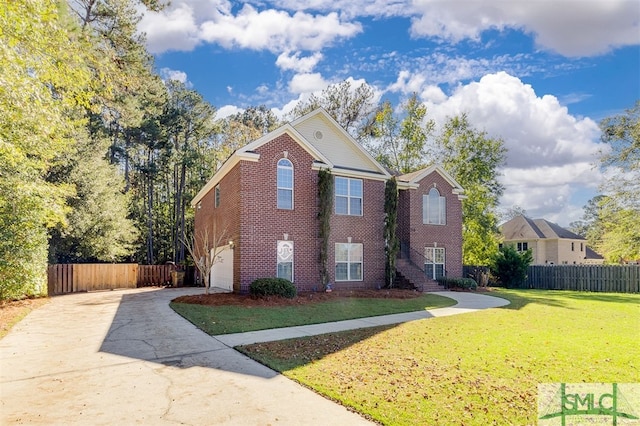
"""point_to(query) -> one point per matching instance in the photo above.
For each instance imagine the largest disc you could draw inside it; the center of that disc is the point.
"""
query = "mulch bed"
(220, 299)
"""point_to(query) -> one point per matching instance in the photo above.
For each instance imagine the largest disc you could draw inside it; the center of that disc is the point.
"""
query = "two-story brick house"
(265, 196)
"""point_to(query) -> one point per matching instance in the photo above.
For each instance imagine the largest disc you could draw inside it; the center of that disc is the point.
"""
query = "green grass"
(479, 368)
(236, 319)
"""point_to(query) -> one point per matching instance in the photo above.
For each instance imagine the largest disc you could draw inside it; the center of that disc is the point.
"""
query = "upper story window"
(285, 184)
(434, 208)
(523, 246)
(216, 201)
(348, 196)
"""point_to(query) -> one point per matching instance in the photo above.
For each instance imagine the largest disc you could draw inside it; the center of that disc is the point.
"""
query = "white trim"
(457, 188)
(231, 162)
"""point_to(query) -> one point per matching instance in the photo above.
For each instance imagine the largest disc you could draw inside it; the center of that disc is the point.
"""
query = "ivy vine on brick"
(392, 244)
(325, 208)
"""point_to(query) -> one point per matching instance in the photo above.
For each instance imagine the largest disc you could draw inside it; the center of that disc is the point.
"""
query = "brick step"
(410, 276)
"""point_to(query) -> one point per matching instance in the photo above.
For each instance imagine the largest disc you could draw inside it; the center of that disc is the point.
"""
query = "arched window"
(285, 184)
(434, 210)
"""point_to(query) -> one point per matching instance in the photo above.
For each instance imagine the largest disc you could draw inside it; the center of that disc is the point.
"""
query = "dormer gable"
(412, 180)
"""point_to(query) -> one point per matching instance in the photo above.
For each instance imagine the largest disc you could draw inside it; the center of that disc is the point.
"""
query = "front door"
(434, 262)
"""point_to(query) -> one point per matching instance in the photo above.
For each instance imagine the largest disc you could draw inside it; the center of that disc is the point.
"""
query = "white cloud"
(350, 8)
(289, 61)
(226, 111)
(187, 23)
(277, 30)
(569, 27)
(177, 75)
(307, 82)
(550, 152)
(408, 82)
(433, 94)
(172, 29)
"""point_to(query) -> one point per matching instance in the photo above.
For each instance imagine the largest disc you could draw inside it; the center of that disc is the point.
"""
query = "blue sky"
(539, 74)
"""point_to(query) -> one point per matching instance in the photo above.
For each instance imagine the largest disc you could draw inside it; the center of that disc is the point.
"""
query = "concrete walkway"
(467, 302)
(124, 357)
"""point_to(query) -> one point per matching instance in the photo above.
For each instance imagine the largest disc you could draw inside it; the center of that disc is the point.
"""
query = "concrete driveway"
(124, 357)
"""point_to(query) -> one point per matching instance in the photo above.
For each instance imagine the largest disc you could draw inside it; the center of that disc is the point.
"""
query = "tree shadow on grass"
(284, 355)
(520, 298)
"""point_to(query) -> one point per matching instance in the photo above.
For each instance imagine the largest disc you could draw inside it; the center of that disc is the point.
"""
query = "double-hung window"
(348, 262)
(434, 208)
(348, 196)
(285, 260)
(434, 262)
(285, 184)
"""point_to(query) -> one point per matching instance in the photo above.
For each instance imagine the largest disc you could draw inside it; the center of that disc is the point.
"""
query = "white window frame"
(441, 215)
(523, 246)
(350, 261)
(434, 262)
(216, 196)
(279, 184)
(349, 196)
(284, 255)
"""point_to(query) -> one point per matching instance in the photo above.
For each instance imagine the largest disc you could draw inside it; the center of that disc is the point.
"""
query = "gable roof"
(342, 151)
(524, 228)
(342, 155)
(411, 180)
(590, 254)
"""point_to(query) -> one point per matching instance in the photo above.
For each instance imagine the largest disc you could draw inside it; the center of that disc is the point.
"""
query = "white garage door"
(222, 271)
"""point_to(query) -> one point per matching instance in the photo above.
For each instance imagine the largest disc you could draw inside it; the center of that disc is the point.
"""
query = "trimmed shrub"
(273, 287)
(464, 283)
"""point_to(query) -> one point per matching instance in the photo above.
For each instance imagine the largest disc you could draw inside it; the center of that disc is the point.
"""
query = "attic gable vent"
(318, 135)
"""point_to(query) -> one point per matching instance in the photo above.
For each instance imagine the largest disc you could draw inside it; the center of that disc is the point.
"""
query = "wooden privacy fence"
(149, 275)
(72, 278)
(601, 278)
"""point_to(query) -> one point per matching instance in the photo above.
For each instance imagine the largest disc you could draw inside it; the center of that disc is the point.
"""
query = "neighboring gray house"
(550, 243)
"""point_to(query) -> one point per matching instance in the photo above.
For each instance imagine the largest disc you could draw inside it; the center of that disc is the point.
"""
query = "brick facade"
(248, 212)
(415, 236)
(263, 224)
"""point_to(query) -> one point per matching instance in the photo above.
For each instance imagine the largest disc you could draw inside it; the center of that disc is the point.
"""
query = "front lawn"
(479, 368)
(240, 318)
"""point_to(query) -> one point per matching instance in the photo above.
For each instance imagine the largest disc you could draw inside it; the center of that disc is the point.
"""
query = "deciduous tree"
(399, 143)
(473, 159)
(44, 83)
(620, 209)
